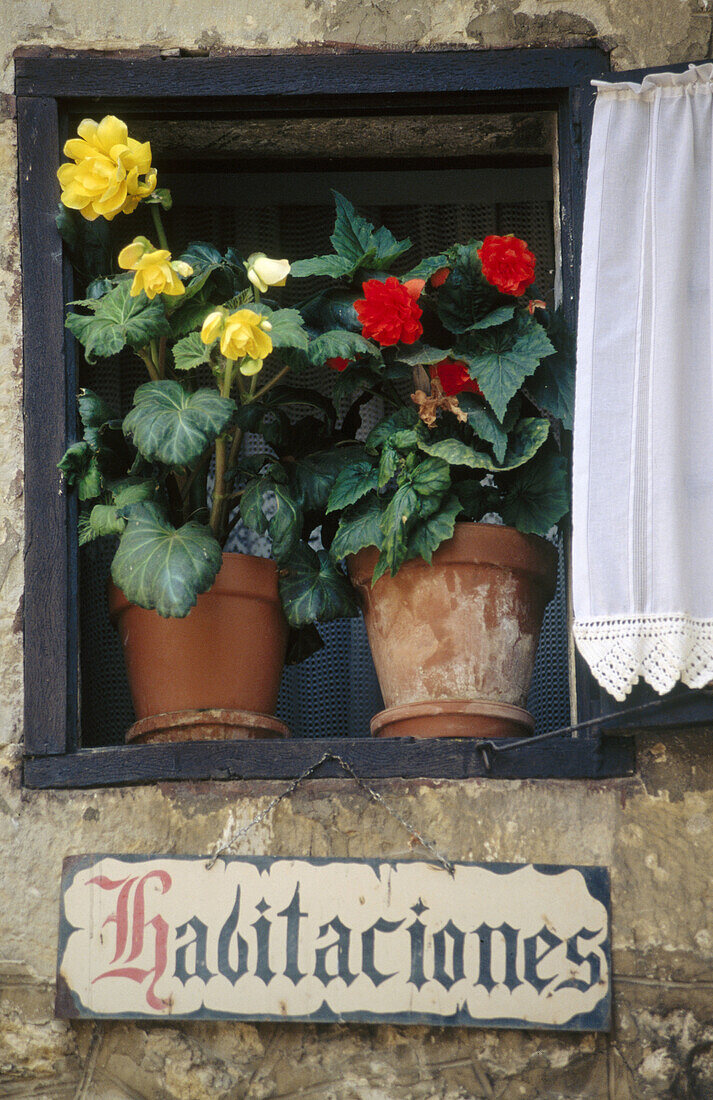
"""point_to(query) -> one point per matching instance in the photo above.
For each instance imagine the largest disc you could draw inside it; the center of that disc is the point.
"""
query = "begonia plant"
(476, 378)
(171, 478)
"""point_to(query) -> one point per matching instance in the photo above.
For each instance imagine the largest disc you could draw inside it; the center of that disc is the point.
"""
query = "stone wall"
(655, 832)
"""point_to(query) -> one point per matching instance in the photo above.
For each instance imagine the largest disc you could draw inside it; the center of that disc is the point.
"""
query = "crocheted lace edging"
(662, 648)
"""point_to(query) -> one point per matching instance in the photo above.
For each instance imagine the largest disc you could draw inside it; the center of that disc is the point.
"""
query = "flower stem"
(268, 385)
(235, 447)
(145, 355)
(219, 488)
(161, 364)
(158, 225)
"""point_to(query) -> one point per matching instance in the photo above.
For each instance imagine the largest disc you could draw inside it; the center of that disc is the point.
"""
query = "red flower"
(439, 277)
(337, 363)
(388, 313)
(508, 264)
(454, 377)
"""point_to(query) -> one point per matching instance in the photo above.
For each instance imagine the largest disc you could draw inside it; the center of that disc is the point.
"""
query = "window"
(286, 98)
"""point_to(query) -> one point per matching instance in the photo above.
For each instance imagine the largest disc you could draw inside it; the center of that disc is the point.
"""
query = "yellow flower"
(264, 272)
(112, 172)
(156, 272)
(212, 326)
(242, 334)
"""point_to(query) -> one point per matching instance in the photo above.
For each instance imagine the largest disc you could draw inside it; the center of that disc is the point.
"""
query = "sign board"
(256, 938)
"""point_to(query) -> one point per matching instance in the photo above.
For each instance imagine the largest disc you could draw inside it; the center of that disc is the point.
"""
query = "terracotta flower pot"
(215, 674)
(454, 642)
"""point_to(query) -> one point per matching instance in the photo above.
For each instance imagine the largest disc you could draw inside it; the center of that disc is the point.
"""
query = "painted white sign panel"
(257, 938)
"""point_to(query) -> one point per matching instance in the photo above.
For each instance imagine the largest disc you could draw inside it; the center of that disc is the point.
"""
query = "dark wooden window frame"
(50, 88)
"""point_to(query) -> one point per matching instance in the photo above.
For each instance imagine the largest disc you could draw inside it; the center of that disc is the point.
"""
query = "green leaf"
(405, 439)
(194, 286)
(313, 589)
(456, 453)
(466, 297)
(285, 524)
(103, 519)
(191, 352)
(552, 386)
(332, 309)
(387, 247)
(355, 239)
(265, 420)
(81, 470)
(538, 495)
(526, 439)
(340, 344)
(94, 413)
(356, 244)
(476, 500)
(431, 477)
(428, 535)
(313, 475)
(485, 424)
(224, 275)
(355, 377)
(288, 329)
(404, 417)
(189, 316)
(244, 298)
(131, 490)
(497, 317)
(99, 287)
(359, 527)
(501, 359)
(423, 356)
(396, 522)
(333, 266)
(161, 196)
(352, 234)
(170, 425)
(251, 508)
(160, 567)
(284, 395)
(119, 320)
(352, 483)
(388, 465)
(427, 267)
(201, 256)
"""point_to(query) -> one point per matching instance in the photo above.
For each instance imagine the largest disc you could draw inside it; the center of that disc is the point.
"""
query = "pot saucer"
(453, 718)
(206, 725)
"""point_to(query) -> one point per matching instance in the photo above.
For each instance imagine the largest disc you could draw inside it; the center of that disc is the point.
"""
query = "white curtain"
(643, 433)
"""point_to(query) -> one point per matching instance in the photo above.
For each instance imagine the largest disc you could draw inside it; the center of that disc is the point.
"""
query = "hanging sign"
(256, 938)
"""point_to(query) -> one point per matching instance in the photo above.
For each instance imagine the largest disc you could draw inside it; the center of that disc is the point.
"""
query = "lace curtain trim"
(661, 648)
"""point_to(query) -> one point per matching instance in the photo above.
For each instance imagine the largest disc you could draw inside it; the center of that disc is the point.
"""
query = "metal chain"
(374, 795)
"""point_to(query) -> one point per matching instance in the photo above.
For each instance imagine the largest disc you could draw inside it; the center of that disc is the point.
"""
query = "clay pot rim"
(441, 710)
(472, 543)
(231, 580)
(207, 724)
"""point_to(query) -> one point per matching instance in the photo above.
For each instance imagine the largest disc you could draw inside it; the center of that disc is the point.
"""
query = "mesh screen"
(335, 692)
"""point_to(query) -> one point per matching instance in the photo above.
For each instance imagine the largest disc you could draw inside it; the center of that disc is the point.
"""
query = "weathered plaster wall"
(655, 832)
